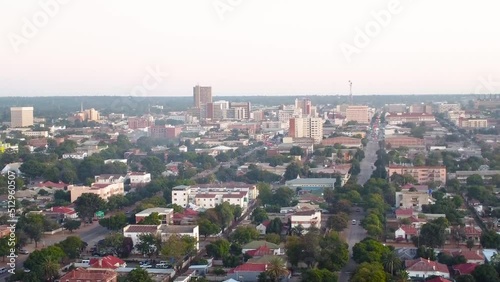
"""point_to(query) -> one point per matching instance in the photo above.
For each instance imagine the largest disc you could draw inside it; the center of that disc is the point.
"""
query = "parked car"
(353, 222)
(23, 252)
(146, 265)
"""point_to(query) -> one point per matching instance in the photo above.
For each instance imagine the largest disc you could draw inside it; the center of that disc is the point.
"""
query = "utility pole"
(350, 92)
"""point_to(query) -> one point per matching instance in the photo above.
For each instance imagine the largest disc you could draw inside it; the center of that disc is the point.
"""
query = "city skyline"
(290, 50)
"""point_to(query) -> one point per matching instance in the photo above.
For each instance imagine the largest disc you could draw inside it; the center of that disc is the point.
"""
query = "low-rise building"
(90, 275)
(423, 268)
(183, 195)
(139, 179)
(412, 200)
(486, 175)
(394, 142)
(104, 191)
(348, 142)
(400, 118)
(166, 214)
(310, 184)
(306, 219)
(109, 178)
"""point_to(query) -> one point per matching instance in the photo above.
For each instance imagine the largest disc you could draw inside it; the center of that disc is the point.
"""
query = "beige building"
(473, 123)
(423, 174)
(202, 95)
(104, 191)
(443, 108)
(92, 115)
(412, 200)
(306, 128)
(360, 114)
(307, 219)
(21, 116)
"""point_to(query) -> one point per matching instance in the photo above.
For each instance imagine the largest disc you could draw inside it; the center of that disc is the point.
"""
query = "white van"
(86, 261)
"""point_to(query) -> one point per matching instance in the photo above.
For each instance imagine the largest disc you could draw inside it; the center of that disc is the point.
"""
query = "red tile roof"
(260, 251)
(424, 265)
(401, 212)
(106, 262)
(469, 255)
(249, 267)
(438, 279)
(87, 274)
(59, 185)
(464, 268)
(471, 230)
(410, 230)
(64, 210)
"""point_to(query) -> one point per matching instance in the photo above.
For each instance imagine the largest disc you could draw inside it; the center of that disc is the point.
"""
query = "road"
(356, 233)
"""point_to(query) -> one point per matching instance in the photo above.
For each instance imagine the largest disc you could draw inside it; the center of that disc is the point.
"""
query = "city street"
(356, 233)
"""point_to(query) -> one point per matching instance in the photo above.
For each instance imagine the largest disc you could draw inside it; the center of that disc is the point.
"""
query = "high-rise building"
(306, 127)
(360, 114)
(247, 107)
(420, 109)
(202, 95)
(305, 105)
(92, 115)
(443, 108)
(21, 116)
(164, 131)
(396, 108)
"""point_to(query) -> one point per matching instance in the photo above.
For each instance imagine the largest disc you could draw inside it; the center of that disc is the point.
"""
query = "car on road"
(358, 209)
(353, 222)
(23, 252)
(146, 265)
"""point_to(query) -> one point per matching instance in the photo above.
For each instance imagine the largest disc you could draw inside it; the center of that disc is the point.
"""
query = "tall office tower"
(359, 114)
(92, 115)
(305, 105)
(21, 116)
(202, 95)
(245, 105)
(306, 127)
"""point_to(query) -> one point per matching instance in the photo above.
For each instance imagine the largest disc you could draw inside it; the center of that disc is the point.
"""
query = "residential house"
(108, 262)
(247, 272)
(464, 268)
(90, 275)
(110, 178)
(262, 227)
(12, 167)
(254, 245)
(307, 219)
(423, 268)
(133, 231)
(405, 232)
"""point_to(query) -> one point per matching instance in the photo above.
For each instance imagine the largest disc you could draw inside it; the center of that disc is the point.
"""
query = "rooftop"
(424, 265)
(175, 229)
(147, 212)
(136, 228)
(256, 244)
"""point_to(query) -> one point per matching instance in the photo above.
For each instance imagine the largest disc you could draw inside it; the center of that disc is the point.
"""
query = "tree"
(207, 227)
(276, 269)
(475, 180)
(373, 272)
(391, 262)
(259, 215)
(265, 193)
(283, 196)
(71, 225)
(275, 226)
(319, 275)
(337, 222)
(153, 165)
(225, 214)
(50, 269)
(113, 242)
(33, 226)
(148, 244)
(138, 275)
(490, 240)
(152, 219)
(403, 276)
(218, 249)
(88, 204)
(72, 246)
(244, 234)
(485, 272)
(369, 250)
(296, 151)
(334, 252)
(292, 171)
(273, 238)
(176, 247)
(470, 244)
(432, 234)
(115, 222)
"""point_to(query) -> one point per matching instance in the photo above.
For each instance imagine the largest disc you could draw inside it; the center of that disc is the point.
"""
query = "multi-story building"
(21, 116)
(304, 105)
(210, 200)
(423, 174)
(109, 178)
(486, 175)
(307, 219)
(473, 123)
(92, 115)
(257, 115)
(348, 142)
(163, 231)
(412, 200)
(420, 108)
(285, 114)
(140, 122)
(400, 118)
(306, 128)
(396, 108)
(164, 131)
(166, 214)
(104, 191)
(403, 141)
(201, 96)
(359, 114)
(308, 184)
(443, 108)
(30, 133)
(246, 106)
(138, 179)
(183, 195)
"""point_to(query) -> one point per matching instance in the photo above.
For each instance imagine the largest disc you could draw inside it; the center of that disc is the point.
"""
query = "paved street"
(356, 233)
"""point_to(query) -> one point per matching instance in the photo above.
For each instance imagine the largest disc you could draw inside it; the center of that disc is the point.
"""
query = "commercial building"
(396, 108)
(420, 108)
(472, 123)
(400, 118)
(304, 105)
(104, 191)
(486, 175)
(403, 141)
(306, 128)
(92, 115)
(412, 200)
(245, 106)
(309, 184)
(163, 231)
(443, 108)
(166, 214)
(201, 96)
(140, 122)
(164, 131)
(423, 174)
(348, 142)
(359, 114)
(21, 116)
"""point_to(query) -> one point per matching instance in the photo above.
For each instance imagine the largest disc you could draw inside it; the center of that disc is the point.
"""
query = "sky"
(248, 47)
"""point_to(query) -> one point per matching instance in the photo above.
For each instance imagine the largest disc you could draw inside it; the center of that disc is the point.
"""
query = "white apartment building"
(36, 133)
(202, 194)
(306, 219)
(109, 178)
(21, 116)
(163, 231)
(139, 178)
(443, 108)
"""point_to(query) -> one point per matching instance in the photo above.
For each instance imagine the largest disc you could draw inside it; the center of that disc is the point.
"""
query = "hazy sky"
(249, 47)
